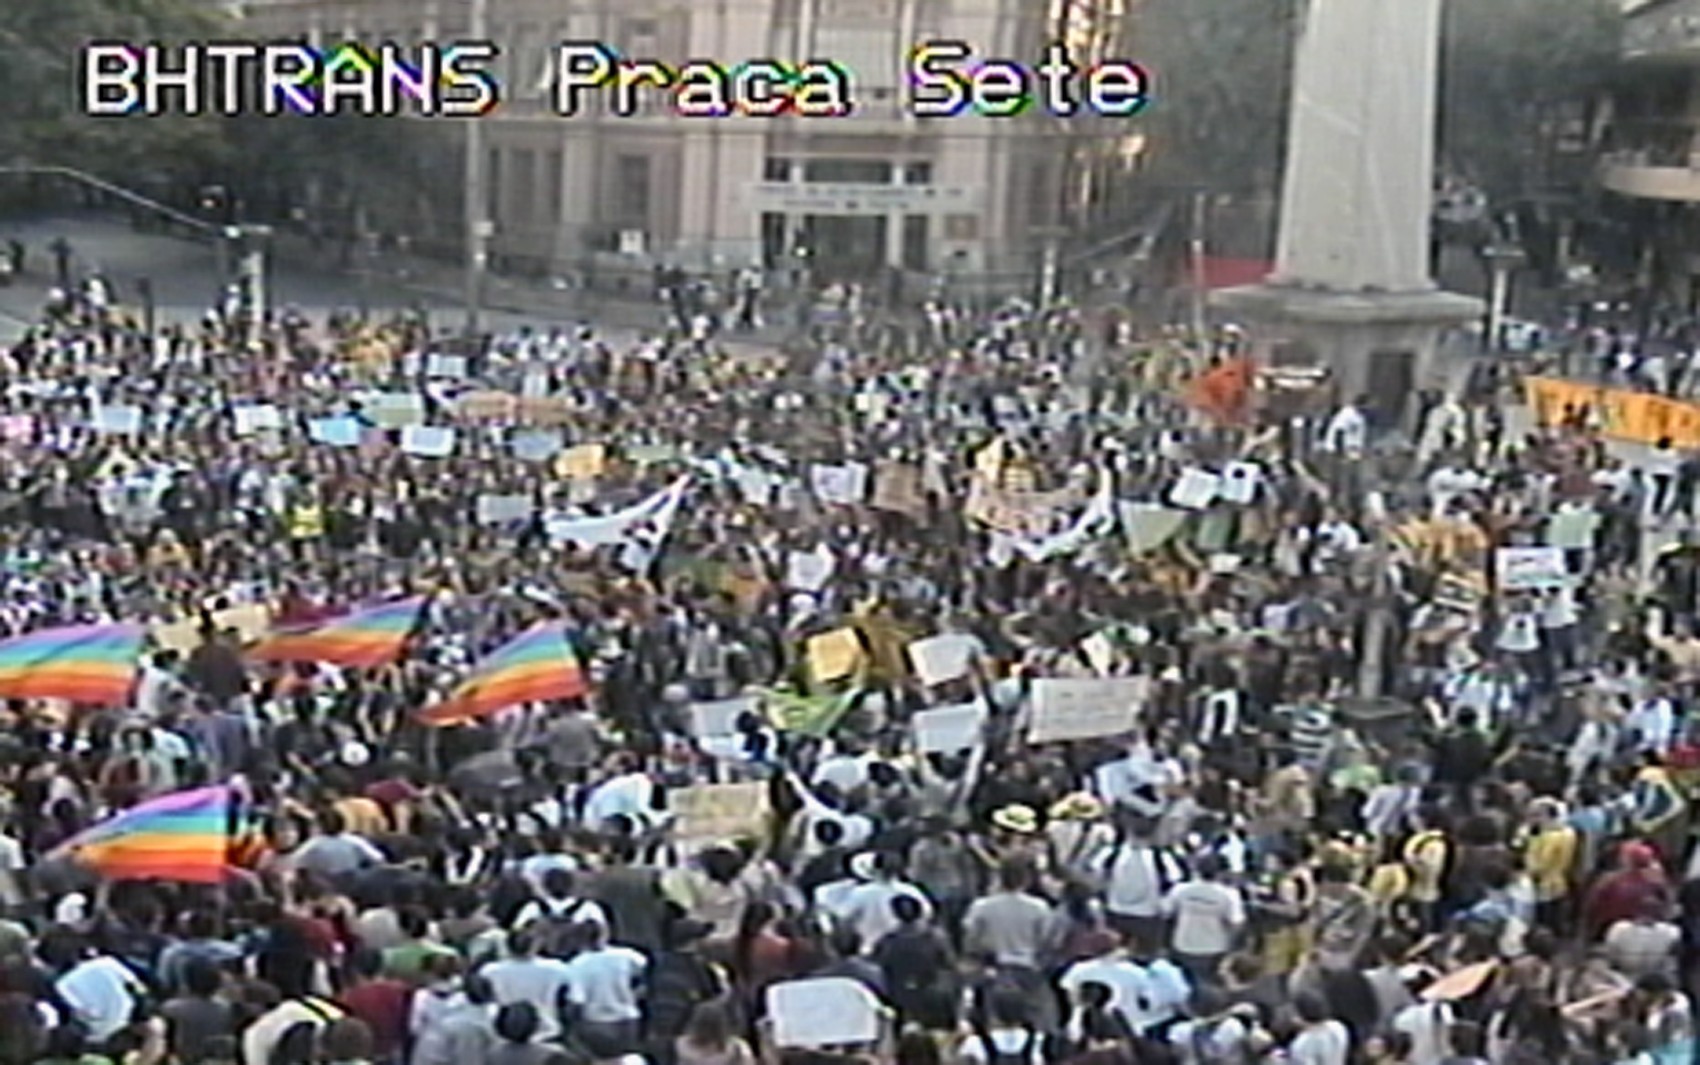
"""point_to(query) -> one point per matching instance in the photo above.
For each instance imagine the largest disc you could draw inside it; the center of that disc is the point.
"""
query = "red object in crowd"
(1224, 272)
(1223, 391)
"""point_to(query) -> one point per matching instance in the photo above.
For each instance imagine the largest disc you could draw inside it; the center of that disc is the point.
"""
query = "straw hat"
(1079, 806)
(1017, 818)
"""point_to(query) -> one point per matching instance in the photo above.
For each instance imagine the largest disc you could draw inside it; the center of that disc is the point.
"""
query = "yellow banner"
(1636, 416)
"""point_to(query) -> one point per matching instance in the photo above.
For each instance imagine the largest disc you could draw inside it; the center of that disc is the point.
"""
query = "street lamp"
(1501, 259)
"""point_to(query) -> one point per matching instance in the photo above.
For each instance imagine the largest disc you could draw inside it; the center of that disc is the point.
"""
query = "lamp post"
(250, 245)
(478, 228)
(1501, 260)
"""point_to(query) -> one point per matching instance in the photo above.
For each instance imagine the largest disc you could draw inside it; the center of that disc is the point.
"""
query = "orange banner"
(1637, 416)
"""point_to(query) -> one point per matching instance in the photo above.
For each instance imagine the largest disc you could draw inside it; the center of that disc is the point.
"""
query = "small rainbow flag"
(182, 836)
(90, 664)
(536, 665)
(362, 640)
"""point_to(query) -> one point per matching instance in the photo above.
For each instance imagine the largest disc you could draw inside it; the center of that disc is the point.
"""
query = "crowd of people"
(1379, 797)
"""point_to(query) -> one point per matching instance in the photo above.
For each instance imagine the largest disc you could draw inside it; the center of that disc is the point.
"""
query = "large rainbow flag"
(182, 836)
(537, 665)
(90, 664)
(362, 640)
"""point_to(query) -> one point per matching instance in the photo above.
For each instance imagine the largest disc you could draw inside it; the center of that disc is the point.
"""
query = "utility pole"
(478, 228)
(1199, 280)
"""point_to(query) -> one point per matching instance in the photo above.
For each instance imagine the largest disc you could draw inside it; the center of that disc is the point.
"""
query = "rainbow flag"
(182, 836)
(90, 664)
(536, 665)
(364, 639)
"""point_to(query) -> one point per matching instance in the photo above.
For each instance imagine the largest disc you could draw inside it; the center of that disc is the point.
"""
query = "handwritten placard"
(710, 813)
(1083, 709)
(949, 729)
(826, 1011)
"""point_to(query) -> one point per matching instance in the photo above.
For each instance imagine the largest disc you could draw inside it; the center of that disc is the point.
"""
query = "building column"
(793, 221)
(894, 223)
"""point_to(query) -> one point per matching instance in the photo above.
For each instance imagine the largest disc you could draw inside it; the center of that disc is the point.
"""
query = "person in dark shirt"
(383, 1003)
(215, 668)
(916, 962)
(196, 1020)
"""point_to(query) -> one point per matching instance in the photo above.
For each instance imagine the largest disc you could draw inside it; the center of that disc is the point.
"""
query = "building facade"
(1649, 166)
(843, 196)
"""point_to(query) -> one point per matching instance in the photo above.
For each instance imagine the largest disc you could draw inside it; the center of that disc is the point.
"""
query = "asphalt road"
(184, 274)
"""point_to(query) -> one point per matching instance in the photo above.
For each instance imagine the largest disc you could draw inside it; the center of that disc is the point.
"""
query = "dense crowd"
(1381, 796)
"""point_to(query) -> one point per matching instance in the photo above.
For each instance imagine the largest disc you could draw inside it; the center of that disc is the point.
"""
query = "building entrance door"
(845, 247)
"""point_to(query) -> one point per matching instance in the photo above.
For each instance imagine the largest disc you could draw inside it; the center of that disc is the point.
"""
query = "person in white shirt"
(1129, 984)
(867, 906)
(1347, 432)
(102, 992)
(605, 989)
(1323, 1040)
(1208, 915)
(1427, 1024)
(1651, 723)
(525, 977)
(1137, 874)
(628, 794)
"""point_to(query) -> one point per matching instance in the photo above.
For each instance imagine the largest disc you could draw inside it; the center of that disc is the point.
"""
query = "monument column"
(1351, 288)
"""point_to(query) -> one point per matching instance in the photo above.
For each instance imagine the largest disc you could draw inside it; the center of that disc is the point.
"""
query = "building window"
(552, 180)
(631, 176)
(918, 174)
(915, 241)
(525, 184)
(639, 37)
(847, 172)
(776, 170)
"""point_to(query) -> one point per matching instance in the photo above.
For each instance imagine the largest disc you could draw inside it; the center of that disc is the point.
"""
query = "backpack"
(1027, 1054)
(556, 928)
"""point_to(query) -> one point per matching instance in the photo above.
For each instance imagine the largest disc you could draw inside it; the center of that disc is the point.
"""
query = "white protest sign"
(256, 418)
(943, 658)
(823, 1012)
(536, 445)
(1149, 526)
(1083, 709)
(449, 367)
(1524, 569)
(1239, 481)
(808, 571)
(428, 441)
(503, 509)
(121, 420)
(1196, 489)
(846, 485)
(948, 729)
(334, 432)
(720, 718)
(395, 410)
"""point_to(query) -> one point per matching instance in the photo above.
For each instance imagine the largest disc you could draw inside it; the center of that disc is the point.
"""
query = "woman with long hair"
(709, 1039)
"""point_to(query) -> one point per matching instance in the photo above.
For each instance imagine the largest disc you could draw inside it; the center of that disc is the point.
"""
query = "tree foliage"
(1221, 71)
(1512, 72)
(42, 120)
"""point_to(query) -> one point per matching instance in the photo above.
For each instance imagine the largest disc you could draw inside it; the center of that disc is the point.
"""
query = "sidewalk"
(549, 301)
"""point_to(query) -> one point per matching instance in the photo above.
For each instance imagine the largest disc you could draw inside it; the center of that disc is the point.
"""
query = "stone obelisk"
(1351, 288)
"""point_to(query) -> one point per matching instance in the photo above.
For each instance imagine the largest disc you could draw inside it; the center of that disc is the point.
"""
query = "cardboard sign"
(1530, 569)
(827, 1011)
(486, 406)
(949, 729)
(833, 655)
(809, 571)
(943, 658)
(252, 621)
(711, 813)
(447, 367)
(1196, 489)
(1028, 515)
(544, 410)
(897, 488)
(1080, 709)
(581, 463)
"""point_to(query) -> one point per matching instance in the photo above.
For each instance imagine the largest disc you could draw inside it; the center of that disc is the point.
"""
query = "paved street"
(184, 278)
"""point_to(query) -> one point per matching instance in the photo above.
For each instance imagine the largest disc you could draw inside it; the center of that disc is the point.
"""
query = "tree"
(1513, 72)
(42, 117)
(1220, 76)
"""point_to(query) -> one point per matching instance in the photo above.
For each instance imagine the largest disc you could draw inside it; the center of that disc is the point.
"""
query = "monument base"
(1383, 345)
